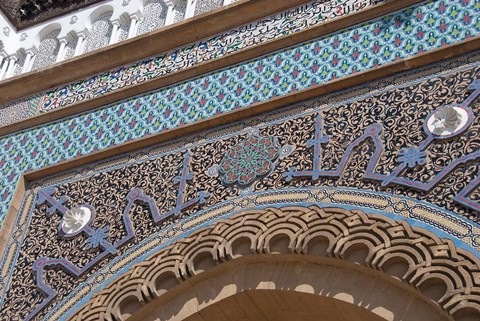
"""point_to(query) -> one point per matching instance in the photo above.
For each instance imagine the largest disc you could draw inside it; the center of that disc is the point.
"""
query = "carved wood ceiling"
(25, 13)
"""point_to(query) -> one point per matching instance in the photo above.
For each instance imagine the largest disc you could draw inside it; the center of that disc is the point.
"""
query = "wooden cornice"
(141, 47)
(209, 66)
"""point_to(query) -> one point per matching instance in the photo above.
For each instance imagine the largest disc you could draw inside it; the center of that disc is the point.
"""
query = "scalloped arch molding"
(334, 253)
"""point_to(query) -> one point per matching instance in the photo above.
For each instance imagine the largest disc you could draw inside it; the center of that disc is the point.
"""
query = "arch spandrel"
(318, 155)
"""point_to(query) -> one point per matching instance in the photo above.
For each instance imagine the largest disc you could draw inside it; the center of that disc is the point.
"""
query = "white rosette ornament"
(448, 121)
(74, 220)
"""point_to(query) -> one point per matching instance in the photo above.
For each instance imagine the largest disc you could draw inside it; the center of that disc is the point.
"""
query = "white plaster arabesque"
(179, 10)
(207, 5)
(154, 17)
(100, 32)
(18, 66)
(70, 48)
(90, 25)
(47, 50)
(122, 33)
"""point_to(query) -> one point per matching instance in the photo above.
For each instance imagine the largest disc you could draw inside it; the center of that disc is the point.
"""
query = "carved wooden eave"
(27, 13)
(185, 32)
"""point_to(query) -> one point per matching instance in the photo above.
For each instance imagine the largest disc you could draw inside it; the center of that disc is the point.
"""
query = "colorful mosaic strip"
(246, 36)
(401, 35)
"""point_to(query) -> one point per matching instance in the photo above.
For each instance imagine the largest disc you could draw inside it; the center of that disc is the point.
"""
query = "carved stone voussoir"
(417, 257)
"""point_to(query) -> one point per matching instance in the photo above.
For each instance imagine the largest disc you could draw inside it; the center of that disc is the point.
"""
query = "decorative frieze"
(226, 43)
(229, 42)
(89, 18)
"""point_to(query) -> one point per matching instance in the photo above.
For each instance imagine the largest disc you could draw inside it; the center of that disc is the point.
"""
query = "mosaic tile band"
(246, 36)
(401, 35)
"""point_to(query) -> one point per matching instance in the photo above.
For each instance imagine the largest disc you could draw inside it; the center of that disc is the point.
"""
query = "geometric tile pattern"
(400, 35)
(20, 109)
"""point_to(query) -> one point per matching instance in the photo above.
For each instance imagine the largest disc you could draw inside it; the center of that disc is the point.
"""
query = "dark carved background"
(24, 13)
(401, 111)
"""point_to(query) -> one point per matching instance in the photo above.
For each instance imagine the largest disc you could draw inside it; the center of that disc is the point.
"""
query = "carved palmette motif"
(393, 120)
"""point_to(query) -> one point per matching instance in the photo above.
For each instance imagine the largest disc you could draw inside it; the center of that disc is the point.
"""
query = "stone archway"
(364, 261)
(336, 290)
(281, 305)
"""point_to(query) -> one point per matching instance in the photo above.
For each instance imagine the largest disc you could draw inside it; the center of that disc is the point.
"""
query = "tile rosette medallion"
(249, 160)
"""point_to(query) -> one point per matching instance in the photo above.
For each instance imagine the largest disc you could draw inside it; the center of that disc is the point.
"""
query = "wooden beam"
(141, 47)
(238, 57)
